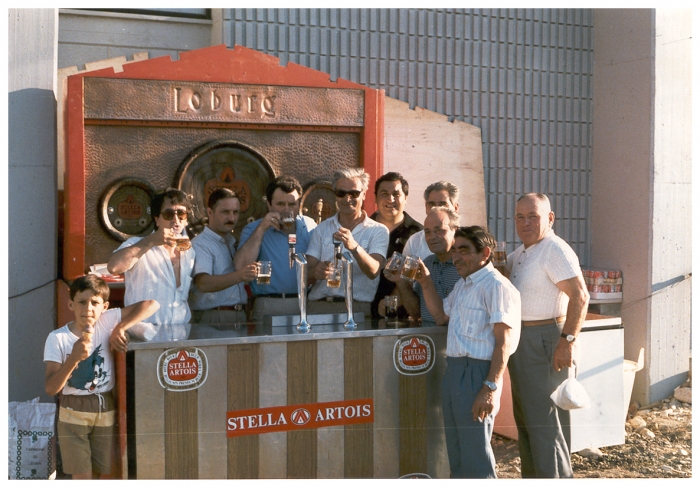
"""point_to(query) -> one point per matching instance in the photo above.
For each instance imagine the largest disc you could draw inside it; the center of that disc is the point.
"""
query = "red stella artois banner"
(297, 417)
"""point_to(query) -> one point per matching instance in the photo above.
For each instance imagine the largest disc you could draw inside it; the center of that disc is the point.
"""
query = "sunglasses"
(352, 193)
(169, 213)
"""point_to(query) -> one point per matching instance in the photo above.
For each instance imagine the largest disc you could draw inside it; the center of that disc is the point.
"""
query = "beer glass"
(410, 268)
(263, 272)
(499, 254)
(287, 223)
(336, 273)
(391, 303)
(395, 263)
(182, 242)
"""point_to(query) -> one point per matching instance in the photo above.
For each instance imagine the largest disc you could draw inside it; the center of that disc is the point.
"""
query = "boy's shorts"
(86, 433)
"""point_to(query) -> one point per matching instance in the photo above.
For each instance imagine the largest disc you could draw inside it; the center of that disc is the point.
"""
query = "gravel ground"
(658, 444)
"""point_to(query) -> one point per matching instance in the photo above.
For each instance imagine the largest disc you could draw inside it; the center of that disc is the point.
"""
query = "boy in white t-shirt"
(79, 363)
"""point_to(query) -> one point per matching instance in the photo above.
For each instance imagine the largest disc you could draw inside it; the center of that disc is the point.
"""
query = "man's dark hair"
(90, 282)
(285, 183)
(172, 195)
(220, 194)
(391, 176)
(480, 237)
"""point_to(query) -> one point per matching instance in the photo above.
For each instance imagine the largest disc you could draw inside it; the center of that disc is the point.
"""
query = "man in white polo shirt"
(366, 239)
(483, 316)
(219, 294)
(547, 273)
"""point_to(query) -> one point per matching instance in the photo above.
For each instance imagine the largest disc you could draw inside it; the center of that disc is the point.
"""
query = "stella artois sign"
(297, 417)
(182, 369)
(414, 354)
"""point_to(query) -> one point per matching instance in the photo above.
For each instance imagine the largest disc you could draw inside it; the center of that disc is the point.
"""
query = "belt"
(279, 295)
(334, 299)
(238, 308)
(555, 320)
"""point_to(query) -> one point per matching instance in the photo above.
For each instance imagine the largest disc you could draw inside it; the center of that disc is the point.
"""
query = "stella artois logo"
(227, 179)
(414, 354)
(182, 369)
(286, 418)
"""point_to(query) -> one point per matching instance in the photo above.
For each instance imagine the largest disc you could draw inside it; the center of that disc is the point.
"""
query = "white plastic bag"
(571, 394)
(32, 443)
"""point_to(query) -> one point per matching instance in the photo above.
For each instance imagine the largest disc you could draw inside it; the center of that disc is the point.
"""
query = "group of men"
(525, 316)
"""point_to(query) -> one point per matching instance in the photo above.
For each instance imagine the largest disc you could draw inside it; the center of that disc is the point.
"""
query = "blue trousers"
(468, 441)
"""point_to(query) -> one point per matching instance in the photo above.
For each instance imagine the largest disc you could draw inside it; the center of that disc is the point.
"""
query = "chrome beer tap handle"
(292, 240)
(347, 259)
(303, 325)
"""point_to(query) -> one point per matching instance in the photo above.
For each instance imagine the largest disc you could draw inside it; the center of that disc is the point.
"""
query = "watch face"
(570, 338)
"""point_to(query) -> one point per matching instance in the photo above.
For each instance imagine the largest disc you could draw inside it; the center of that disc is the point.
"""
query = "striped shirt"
(444, 276)
(477, 302)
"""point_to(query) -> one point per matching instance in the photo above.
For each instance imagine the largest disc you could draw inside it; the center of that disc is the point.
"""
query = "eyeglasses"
(169, 213)
(352, 193)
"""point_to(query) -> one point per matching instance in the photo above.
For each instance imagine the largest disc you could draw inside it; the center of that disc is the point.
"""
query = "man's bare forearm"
(125, 259)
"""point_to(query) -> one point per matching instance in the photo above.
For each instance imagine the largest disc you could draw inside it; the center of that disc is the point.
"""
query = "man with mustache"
(483, 317)
(219, 294)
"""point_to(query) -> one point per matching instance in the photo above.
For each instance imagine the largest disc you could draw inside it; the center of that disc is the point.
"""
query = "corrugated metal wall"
(523, 76)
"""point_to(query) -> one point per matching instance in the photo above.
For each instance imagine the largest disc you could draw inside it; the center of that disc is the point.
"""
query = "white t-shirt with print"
(95, 374)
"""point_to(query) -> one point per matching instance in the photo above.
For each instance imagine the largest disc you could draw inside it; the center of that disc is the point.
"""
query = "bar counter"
(380, 423)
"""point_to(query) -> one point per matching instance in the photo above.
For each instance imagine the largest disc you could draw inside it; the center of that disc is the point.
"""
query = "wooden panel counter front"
(187, 433)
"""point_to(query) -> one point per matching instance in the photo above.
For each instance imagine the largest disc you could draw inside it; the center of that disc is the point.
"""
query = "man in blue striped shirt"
(483, 315)
(440, 226)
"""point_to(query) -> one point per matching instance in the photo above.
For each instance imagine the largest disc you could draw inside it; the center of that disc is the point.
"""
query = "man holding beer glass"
(440, 226)
(159, 266)
(354, 231)
(219, 294)
(267, 239)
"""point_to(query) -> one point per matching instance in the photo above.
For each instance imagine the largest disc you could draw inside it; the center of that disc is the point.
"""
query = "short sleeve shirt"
(153, 278)
(535, 272)
(417, 246)
(479, 301)
(214, 256)
(444, 276)
(275, 248)
(374, 239)
(95, 374)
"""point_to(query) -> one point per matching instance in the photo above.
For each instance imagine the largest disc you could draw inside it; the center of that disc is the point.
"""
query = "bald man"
(546, 272)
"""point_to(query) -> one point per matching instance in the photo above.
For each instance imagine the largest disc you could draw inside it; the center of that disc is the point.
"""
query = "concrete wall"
(641, 183)
(32, 197)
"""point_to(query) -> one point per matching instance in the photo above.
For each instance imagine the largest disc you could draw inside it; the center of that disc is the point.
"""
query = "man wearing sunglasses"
(153, 267)
(366, 239)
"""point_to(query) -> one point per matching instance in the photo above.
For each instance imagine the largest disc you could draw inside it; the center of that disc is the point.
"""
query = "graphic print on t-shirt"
(90, 373)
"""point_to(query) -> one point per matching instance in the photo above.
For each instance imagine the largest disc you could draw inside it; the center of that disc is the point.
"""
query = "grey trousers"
(274, 306)
(544, 431)
(468, 441)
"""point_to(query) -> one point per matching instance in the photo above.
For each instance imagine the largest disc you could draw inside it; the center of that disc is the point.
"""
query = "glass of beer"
(410, 268)
(499, 254)
(287, 222)
(263, 272)
(182, 243)
(391, 303)
(395, 263)
(336, 273)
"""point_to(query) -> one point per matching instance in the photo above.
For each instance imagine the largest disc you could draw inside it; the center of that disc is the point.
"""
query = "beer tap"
(336, 252)
(347, 258)
(303, 325)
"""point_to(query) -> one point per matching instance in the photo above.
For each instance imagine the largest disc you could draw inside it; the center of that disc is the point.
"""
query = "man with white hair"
(438, 194)
(366, 239)
(546, 272)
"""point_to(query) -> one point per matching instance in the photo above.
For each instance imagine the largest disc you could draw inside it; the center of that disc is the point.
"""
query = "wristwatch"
(491, 385)
(569, 337)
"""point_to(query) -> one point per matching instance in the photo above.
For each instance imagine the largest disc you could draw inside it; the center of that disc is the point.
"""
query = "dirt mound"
(658, 444)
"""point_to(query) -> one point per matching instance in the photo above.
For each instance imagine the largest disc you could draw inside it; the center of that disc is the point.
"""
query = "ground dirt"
(661, 449)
